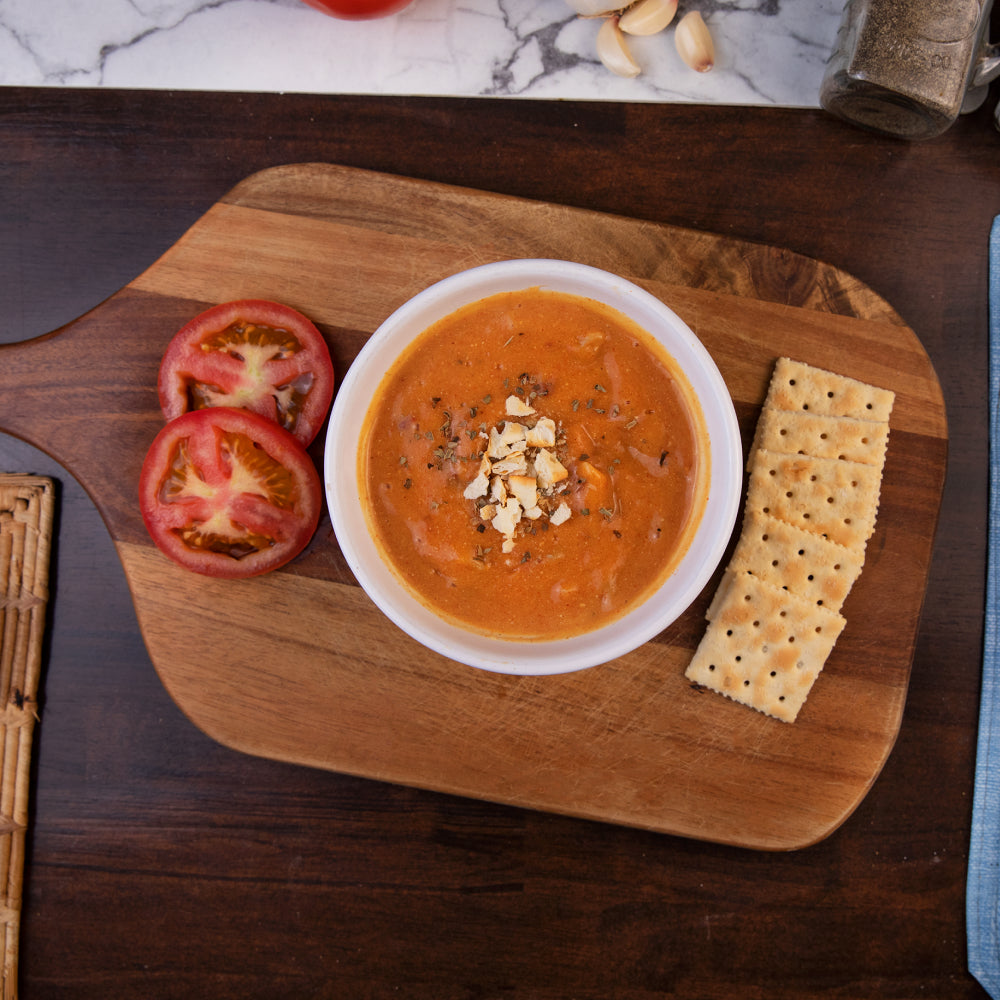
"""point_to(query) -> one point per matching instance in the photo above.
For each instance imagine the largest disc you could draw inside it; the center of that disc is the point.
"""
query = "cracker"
(805, 433)
(721, 594)
(803, 563)
(797, 386)
(830, 497)
(815, 472)
(765, 647)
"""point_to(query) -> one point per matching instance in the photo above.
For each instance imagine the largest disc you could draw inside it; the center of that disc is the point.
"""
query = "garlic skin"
(694, 43)
(613, 50)
(648, 17)
(594, 8)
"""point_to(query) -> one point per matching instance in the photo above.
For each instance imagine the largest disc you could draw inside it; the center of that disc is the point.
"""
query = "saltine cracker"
(765, 647)
(815, 474)
(797, 386)
(831, 497)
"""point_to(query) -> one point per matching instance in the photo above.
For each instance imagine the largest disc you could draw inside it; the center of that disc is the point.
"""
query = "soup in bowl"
(533, 467)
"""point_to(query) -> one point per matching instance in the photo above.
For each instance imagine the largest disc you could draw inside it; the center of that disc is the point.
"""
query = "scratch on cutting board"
(711, 920)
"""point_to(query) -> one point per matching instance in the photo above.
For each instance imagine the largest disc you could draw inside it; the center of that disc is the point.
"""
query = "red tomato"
(226, 493)
(359, 10)
(253, 354)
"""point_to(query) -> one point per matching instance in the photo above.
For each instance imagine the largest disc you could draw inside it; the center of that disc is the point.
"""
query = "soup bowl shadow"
(345, 491)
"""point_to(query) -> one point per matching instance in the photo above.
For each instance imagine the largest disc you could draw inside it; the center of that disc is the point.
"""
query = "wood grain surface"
(631, 741)
(162, 863)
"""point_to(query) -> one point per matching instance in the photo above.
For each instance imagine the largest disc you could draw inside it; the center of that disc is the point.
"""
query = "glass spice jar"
(908, 68)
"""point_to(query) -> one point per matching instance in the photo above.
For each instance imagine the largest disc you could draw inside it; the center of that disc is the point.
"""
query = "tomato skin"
(358, 10)
(226, 493)
(290, 383)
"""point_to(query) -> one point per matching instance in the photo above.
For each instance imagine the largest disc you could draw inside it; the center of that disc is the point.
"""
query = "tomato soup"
(533, 465)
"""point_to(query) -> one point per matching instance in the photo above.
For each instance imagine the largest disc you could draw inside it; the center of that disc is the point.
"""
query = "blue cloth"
(983, 894)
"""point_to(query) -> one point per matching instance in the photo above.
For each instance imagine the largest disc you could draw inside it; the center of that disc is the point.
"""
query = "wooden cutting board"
(300, 666)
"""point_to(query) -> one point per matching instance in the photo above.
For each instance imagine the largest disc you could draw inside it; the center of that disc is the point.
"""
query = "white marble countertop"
(768, 52)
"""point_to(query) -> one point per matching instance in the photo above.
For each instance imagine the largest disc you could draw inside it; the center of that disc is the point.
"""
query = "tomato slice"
(226, 493)
(254, 354)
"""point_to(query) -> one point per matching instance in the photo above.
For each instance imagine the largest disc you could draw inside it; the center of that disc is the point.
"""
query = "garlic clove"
(694, 43)
(594, 8)
(648, 17)
(613, 51)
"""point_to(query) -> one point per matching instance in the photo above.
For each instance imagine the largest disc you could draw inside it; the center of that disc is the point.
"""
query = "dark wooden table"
(162, 864)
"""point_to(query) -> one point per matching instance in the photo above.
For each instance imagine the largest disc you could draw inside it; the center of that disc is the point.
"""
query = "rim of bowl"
(531, 657)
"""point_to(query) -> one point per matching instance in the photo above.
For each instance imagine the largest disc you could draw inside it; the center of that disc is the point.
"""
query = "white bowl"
(540, 657)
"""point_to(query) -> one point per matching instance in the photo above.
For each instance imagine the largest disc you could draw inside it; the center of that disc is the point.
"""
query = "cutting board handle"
(85, 394)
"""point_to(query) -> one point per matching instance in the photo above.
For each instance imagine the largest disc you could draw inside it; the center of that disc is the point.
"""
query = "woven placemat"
(26, 511)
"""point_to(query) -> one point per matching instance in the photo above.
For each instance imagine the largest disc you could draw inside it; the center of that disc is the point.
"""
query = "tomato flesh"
(229, 494)
(252, 473)
(257, 355)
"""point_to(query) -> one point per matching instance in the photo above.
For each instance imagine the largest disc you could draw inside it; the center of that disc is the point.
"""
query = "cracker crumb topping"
(519, 475)
(515, 406)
